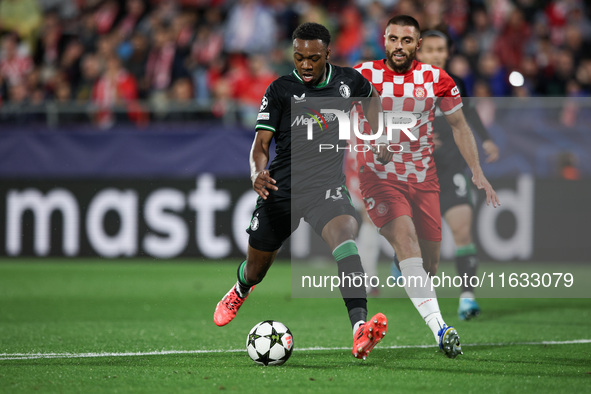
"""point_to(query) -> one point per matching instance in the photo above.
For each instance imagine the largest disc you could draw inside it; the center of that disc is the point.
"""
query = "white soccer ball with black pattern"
(269, 343)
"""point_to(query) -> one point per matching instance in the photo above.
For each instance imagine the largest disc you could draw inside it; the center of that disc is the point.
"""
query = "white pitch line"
(32, 356)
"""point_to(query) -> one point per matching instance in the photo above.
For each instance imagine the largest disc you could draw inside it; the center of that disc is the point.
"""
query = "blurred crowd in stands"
(222, 55)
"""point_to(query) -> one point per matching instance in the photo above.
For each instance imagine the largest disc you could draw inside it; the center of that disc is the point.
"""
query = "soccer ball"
(269, 343)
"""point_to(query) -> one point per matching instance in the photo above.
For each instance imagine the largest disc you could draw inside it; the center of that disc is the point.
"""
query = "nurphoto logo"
(395, 123)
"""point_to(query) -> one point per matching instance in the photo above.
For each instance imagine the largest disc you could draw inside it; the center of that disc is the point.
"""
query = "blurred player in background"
(322, 198)
(455, 195)
(400, 188)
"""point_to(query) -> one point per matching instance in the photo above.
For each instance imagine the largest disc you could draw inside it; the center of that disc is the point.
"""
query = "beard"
(403, 67)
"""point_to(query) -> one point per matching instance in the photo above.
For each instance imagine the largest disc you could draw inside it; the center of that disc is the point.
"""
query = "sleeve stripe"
(454, 109)
(262, 126)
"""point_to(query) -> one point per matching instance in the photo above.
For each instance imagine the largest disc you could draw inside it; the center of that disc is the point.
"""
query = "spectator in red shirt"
(348, 42)
(115, 88)
(510, 44)
(14, 66)
(249, 87)
(165, 65)
(135, 10)
(106, 16)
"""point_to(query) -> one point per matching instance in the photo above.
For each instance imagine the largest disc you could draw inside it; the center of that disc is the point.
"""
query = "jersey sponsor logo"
(314, 117)
(264, 103)
(300, 99)
(345, 90)
(263, 116)
(420, 93)
(301, 120)
(455, 91)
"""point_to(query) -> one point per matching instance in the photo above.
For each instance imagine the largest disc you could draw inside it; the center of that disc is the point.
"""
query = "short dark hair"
(404, 20)
(312, 31)
(437, 33)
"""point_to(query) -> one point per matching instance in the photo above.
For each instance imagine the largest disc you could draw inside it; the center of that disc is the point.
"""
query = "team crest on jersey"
(345, 90)
(254, 224)
(382, 209)
(420, 93)
(264, 103)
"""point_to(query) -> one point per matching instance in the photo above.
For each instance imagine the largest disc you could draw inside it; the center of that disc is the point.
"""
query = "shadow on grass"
(478, 360)
(497, 311)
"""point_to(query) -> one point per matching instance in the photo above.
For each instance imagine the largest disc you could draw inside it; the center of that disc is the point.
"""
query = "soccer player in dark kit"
(455, 196)
(303, 183)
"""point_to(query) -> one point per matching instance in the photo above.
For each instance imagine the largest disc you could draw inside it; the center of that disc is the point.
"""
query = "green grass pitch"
(146, 326)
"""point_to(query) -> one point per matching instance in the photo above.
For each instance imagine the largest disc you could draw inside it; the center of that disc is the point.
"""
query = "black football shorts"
(274, 220)
(455, 189)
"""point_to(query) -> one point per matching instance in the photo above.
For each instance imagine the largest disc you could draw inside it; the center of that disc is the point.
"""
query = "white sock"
(435, 322)
(418, 288)
(467, 294)
(356, 327)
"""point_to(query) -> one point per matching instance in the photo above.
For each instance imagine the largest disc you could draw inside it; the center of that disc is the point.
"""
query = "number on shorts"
(336, 196)
(461, 185)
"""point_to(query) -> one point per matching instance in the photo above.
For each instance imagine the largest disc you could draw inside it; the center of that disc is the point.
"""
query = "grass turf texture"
(138, 306)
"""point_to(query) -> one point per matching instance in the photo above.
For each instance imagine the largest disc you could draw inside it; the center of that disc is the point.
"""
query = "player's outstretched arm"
(467, 145)
(259, 157)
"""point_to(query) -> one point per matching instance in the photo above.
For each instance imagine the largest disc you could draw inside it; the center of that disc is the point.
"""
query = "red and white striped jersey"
(15, 70)
(419, 91)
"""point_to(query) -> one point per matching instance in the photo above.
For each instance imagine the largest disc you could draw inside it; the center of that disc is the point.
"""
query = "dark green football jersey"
(309, 154)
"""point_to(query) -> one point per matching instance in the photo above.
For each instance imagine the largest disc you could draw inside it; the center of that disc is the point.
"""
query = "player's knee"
(462, 233)
(338, 231)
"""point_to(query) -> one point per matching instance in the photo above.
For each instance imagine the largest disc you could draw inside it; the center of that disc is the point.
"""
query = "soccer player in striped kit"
(399, 184)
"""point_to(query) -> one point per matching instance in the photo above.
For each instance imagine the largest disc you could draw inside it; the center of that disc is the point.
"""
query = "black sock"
(352, 284)
(242, 286)
(467, 265)
(357, 309)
